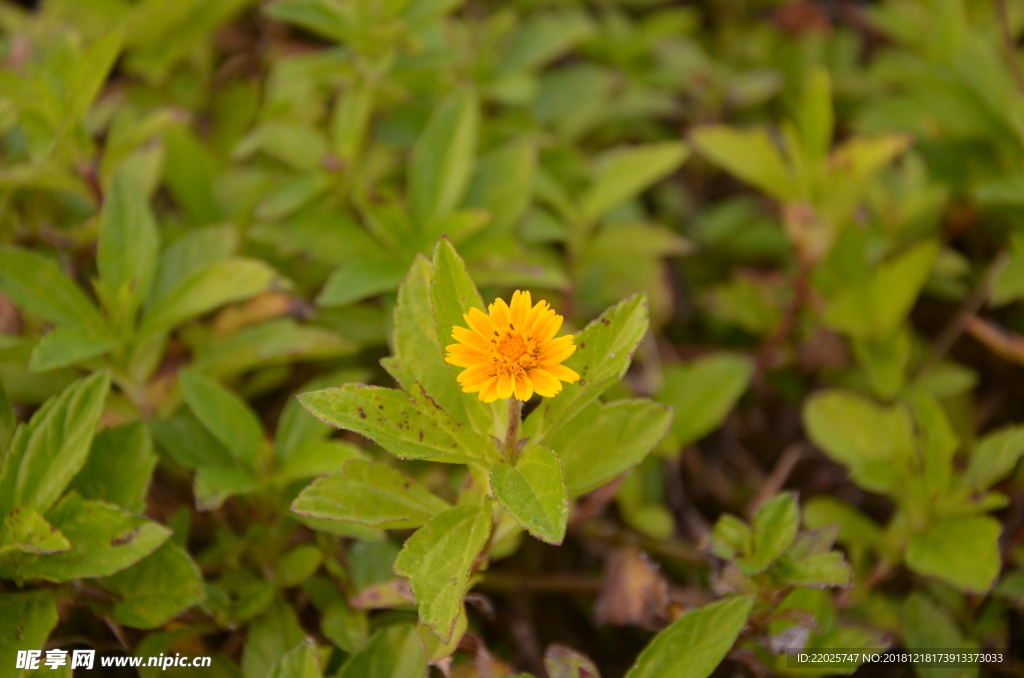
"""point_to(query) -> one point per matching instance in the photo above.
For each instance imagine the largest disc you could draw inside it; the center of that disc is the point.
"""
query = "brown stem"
(515, 412)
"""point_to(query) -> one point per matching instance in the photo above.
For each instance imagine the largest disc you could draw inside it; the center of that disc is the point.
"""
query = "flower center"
(512, 353)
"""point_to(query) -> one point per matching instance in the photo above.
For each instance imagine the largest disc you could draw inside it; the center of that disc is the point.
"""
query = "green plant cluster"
(235, 236)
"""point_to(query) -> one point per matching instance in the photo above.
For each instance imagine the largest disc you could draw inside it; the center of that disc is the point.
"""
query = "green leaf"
(206, 288)
(90, 72)
(157, 588)
(855, 528)
(37, 285)
(274, 342)
(104, 540)
(25, 531)
(925, 625)
(418, 356)
(225, 415)
(503, 183)
(604, 350)
(437, 560)
(270, 639)
(544, 37)
(371, 494)
(190, 176)
(359, 279)
(119, 467)
(442, 158)
(345, 626)
(961, 551)
(322, 17)
(394, 652)
(817, 570)
(453, 293)
(695, 644)
(316, 458)
(298, 565)
(215, 484)
(189, 443)
(193, 251)
(875, 308)
(351, 119)
(774, 529)
(409, 426)
(296, 426)
(885, 361)
(26, 620)
(996, 455)
(814, 116)
(604, 441)
(626, 172)
(749, 155)
(66, 346)
(47, 453)
(302, 662)
(534, 492)
(875, 443)
(703, 392)
(128, 245)
(731, 538)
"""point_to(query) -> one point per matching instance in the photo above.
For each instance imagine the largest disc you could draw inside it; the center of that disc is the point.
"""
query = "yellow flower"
(512, 350)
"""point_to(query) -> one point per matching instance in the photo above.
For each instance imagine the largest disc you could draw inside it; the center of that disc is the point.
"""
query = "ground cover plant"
(407, 338)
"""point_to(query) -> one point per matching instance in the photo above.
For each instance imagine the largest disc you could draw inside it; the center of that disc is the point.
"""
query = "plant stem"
(515, 411)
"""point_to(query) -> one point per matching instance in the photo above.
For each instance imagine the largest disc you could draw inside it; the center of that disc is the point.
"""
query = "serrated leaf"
(157, 588)
(627, 172)
(961, 551)
(409, 426)
(695, 644)
(604, 350)
(394, 652)
(534, 492)
(418, 353)
(119, 467)
(25, 531)
(371, 494)
(66, 346)
(206, 288)
(438, 559)
(37, 285)
(452, 294)
(817, 570)
(604, 441)
(703, 392)
(225, 415)
(442, 158)
(104, 540)
(47, 453)
(876, 443)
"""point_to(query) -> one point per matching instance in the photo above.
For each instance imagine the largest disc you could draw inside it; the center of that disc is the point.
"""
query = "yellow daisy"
(512, 350)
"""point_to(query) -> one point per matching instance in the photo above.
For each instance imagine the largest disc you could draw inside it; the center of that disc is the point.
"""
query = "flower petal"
(544, 384)
(480, 322)
(519, 309)
(523, 387)
(562, 373)
(505, 382)
(470, 338)
(500, 313)
(557, 350)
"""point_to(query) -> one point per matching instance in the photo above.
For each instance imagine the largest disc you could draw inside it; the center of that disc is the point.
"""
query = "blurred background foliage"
(207, 206)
